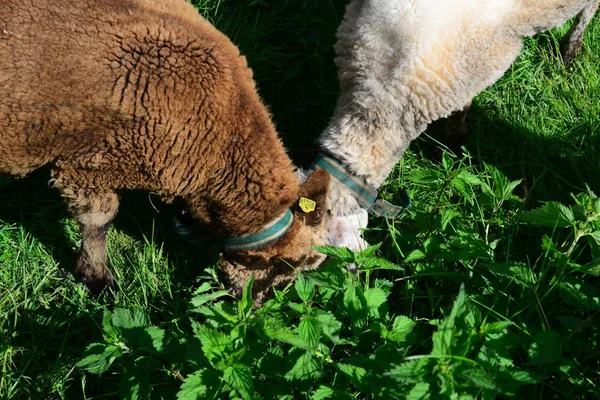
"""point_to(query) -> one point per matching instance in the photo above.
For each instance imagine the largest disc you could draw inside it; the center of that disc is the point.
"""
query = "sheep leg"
(94, 211)
(571, 43)
(456, 130)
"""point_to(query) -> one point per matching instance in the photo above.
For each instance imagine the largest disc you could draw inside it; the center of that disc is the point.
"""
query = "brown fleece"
(137, 94)
(276, 264)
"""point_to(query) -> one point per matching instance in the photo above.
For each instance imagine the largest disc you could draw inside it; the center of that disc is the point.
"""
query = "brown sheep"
(143, 94)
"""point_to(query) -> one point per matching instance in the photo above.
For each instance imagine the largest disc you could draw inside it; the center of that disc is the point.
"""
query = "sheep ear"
(312, 204)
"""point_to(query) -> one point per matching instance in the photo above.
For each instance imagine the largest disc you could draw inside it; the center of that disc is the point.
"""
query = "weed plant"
(487, 287)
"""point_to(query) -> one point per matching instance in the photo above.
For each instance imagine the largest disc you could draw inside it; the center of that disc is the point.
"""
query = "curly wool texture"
(140, 94)
(405, 63)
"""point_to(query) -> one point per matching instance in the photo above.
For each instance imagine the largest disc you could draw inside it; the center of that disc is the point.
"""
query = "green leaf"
(305, 367)
(305, 287)
(153, 339)
(551, 214)
(447, 215)
(402, 327)
(356, 374)
(135, 381)
(373, 263)
(323, 392)
(369, 251)
(98, 357)
(331, 274)
(111, 333)
(415, 255)
(198, 301)
(246, 302)
(375, 298)
(192, 387)
(444, 340)
(424, 176)
(355, 304)
(125, 318)
(340, 253)
(481, 379)
(419, 392)
(580, 295)
(546, 349)
(240, 378)
(274, 329)
(213, 342)
(309, 331)
(496, 327)
(330, 325)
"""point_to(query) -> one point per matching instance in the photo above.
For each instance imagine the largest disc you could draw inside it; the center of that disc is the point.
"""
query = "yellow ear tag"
(307, 205)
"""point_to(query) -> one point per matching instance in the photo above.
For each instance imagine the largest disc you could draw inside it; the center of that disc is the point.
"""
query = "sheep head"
(275, 264)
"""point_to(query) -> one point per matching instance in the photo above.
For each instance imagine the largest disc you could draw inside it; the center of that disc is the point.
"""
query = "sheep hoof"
(97, 283)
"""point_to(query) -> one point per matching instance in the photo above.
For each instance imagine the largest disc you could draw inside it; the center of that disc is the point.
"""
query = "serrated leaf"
(410, 372)
(213, 342)
(198, 301)
(330, 325)
(580, 295)
(192, 387)
(355, 304)
(415, 255)
(375, 298)
(447, 215)
(424, 176)
(305, 367)
(246, 302)
(551, 214)
(155, 338)
(309, 331)
(496, 327)
(374, 263)
(356, 374)
(419, 392)
(274, 329)
(125, 318)
(240, 378)
(340, 253)
(369, 251)
(331, 274)
(305, 287)
(481, 379)
(323, 392)
(444, 338)
(111, 332)
(546, 349)
(98, 357)
(135, 382)
(402, 327)
(469, 178)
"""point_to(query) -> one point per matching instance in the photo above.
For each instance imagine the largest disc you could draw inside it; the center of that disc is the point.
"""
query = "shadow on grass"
(30, 203)
(551, 167)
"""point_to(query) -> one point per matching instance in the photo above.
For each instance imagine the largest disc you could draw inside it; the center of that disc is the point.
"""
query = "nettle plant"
(340, 333)
(329, 336)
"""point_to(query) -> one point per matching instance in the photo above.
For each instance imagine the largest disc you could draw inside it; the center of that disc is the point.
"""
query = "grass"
(539, 124)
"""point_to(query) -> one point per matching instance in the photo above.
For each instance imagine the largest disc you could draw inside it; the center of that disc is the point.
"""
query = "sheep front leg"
(571, 43)
(94, 212)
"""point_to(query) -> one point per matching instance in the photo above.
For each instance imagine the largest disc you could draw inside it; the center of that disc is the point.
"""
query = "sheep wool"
(143, 94)
(405, 63)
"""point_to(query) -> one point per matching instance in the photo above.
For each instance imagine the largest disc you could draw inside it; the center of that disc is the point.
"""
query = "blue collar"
(366, 195)
(268, 233)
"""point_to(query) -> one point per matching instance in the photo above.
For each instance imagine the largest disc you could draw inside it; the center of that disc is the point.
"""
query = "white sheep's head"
(277, 263)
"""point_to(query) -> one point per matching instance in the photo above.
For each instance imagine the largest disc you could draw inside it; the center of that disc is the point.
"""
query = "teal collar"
(269, 233)
(366, 195)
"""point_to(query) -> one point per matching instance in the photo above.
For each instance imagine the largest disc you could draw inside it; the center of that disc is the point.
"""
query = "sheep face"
(276, 264)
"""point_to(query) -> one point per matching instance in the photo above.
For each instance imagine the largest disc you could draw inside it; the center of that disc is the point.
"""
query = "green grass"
(539, 124)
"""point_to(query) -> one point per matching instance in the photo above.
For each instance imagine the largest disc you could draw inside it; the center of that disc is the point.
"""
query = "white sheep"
(405, 63)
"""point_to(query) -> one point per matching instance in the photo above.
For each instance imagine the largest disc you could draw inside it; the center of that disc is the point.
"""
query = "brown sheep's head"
(276, 264)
